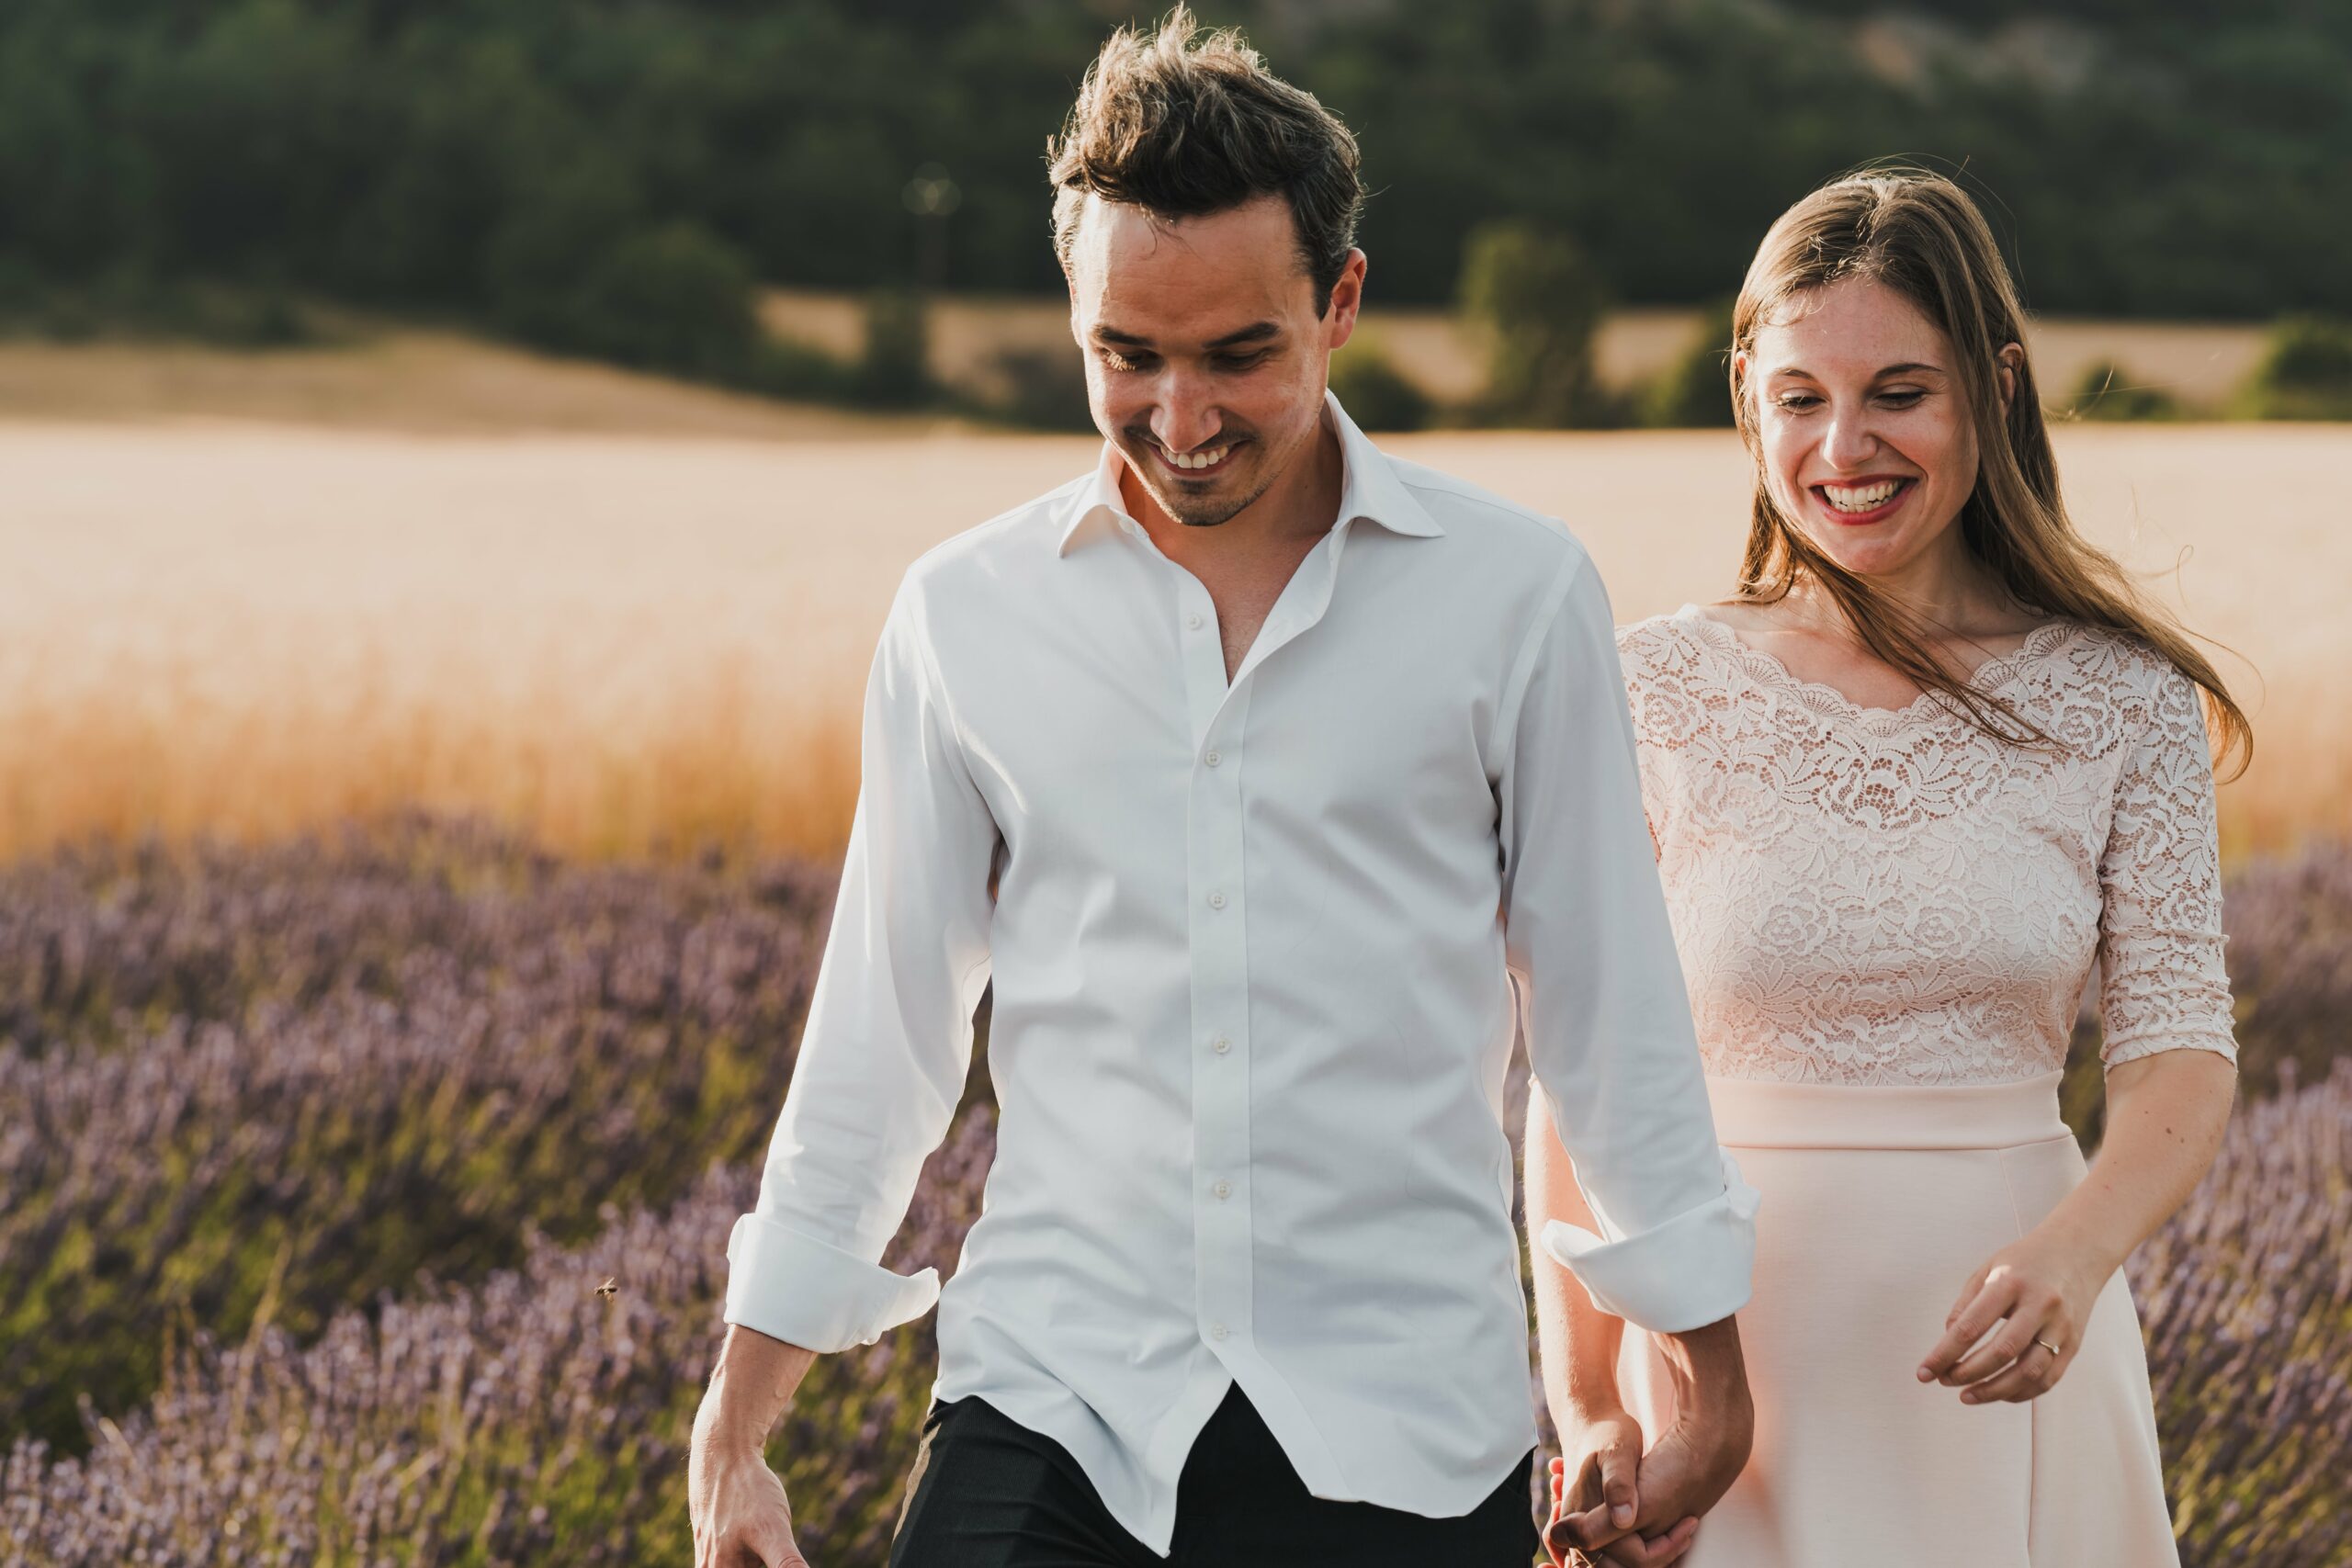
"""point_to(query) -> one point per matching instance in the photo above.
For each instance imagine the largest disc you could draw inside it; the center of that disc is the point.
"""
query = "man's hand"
(735, 1502)
(1607, 1446)
(740, 1516)
(1689, 1468)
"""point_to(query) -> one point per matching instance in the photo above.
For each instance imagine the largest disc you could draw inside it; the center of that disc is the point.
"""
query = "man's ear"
(1347, 299)
(2012, 360)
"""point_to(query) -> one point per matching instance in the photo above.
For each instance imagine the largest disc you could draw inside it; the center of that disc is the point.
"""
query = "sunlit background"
(455, 456)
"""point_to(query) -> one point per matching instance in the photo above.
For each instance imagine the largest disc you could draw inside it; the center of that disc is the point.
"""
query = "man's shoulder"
(983, 550)
(1490, 522)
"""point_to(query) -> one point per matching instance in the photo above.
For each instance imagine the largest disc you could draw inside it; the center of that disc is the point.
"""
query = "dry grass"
(394, 380)
(2198, 363)
(627, 642)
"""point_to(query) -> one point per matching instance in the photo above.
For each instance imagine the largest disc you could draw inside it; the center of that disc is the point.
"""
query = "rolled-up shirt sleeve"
(1606, 1018)
(889, 1038)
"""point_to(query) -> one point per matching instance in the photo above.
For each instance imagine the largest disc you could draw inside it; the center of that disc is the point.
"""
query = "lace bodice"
(1883, 895)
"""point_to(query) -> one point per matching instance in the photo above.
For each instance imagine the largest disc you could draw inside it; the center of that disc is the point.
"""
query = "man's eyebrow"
(1256, 331)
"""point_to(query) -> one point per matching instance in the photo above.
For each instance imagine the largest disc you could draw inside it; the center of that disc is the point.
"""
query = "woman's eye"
(1796, 402)
(1907, 398)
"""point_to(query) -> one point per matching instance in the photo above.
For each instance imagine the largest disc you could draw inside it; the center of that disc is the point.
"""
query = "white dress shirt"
(1253, 1002)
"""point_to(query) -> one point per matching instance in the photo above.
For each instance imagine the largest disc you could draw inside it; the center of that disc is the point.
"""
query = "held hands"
(2040, 1288)
(1623, 1507)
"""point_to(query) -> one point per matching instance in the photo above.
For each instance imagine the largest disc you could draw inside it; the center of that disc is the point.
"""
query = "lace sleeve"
(2162, 986)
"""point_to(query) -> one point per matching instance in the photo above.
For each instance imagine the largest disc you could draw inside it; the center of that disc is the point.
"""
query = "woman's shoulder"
(1656, 641)
(2120, 662)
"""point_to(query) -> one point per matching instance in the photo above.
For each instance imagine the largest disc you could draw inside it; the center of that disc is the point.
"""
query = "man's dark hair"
(1183, 124)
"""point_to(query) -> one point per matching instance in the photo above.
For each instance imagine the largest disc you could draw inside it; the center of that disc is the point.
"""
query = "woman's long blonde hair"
(1919, 234)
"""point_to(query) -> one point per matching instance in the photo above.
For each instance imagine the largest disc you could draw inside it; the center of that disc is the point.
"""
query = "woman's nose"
(1849, 442)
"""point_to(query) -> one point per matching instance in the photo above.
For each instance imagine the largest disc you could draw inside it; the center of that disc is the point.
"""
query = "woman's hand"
(2043, 1286)
(1605, 1449)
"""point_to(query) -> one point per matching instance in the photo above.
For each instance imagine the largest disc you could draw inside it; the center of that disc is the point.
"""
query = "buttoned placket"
(1216, 923)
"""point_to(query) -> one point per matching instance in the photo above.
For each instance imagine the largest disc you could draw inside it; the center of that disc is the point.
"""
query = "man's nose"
(1186, 416)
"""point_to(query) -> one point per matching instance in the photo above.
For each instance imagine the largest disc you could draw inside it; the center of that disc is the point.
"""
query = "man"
(1221, 761)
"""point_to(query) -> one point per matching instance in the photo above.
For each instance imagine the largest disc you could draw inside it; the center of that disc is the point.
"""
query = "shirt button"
(1220, 1044)
(1216, 900)
(1192, 621)
(1213, 759)
(1218, 1331)
(1223, 1189)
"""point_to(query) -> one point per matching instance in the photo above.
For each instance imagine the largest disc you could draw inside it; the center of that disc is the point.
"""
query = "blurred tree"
(483, 160)
(895, 367)
(1538, 301)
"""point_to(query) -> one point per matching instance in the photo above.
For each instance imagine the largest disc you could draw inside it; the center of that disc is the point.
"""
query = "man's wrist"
(1706, 1365)
(752, 1385)
(723, 1429)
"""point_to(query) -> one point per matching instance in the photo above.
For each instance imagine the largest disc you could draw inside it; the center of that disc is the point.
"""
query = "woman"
(1934, 759)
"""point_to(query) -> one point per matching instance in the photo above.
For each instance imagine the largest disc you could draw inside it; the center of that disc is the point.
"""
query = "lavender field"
(313, 1157)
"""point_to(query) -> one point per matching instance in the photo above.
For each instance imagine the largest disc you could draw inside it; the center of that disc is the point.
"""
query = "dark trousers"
(988, 1493)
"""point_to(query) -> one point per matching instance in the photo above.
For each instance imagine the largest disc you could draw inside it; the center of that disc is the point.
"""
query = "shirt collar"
(1371, 489)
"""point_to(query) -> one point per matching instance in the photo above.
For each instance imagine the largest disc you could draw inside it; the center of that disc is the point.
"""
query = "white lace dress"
(1887, 919)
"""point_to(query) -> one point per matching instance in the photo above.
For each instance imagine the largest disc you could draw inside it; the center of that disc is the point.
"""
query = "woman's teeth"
(1869, 498)
(1207, 460)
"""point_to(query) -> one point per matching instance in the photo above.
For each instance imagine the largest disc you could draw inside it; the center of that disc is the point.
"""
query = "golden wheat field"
(633, 642)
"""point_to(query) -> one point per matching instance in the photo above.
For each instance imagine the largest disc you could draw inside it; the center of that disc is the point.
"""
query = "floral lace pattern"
(1891, 896)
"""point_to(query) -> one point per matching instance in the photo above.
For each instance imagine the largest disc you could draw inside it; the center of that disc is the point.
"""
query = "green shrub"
(2107, 390)
(1040, 388)
(2305, 372)
(676, 298)
(1695, 391)
(1376, 394)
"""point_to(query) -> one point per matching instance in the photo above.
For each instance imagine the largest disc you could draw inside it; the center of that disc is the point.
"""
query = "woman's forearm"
(1579, 1340)
(2165, 1114)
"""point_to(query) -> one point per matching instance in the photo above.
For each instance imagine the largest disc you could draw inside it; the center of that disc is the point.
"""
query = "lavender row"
(530, 1419)
(102, 943)
(2245, 1298)
(527, 1419)
(470, 1039)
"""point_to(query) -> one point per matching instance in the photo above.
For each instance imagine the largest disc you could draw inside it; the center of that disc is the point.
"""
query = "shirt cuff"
(1691, 1270)
(810, 1293)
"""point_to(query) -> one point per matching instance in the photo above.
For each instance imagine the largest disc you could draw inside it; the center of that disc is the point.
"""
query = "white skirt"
(1879, 1201)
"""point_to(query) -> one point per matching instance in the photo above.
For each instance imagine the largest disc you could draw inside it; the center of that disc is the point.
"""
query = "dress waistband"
(1773, 1114)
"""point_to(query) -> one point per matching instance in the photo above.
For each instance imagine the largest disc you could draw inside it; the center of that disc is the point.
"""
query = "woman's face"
(1868, 443)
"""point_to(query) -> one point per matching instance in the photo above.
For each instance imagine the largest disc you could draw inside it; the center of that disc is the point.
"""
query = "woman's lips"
(1904, 486)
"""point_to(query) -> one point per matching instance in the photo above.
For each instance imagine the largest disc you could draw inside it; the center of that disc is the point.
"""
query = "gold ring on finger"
(2045, 1343)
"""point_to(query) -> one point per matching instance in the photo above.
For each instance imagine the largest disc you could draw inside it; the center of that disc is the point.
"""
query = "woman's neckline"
(1820, 694)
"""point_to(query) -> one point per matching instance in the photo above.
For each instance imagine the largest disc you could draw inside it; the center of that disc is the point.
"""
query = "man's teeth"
(1869, 499)
(1207, 460)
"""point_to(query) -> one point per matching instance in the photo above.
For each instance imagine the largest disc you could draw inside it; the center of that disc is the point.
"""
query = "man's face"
(1205, 358)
